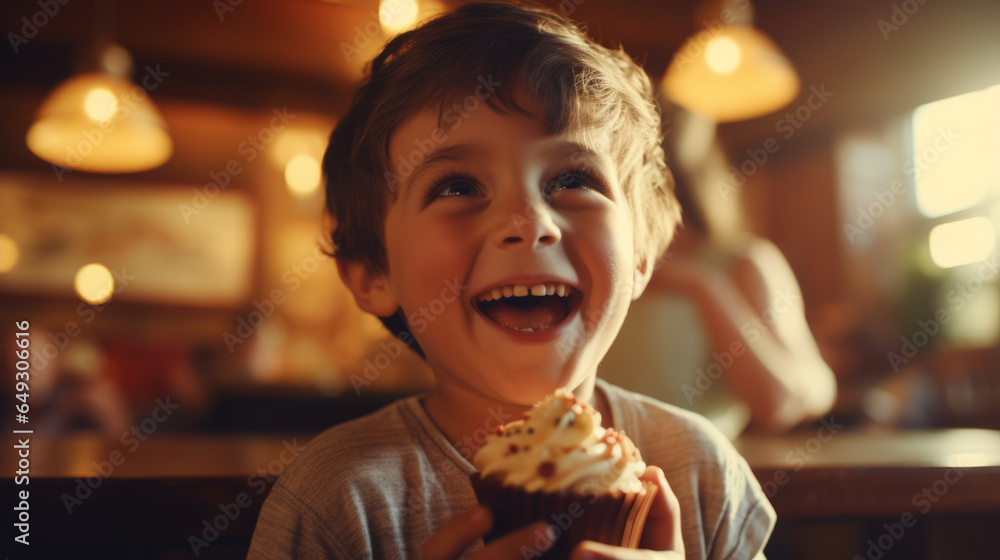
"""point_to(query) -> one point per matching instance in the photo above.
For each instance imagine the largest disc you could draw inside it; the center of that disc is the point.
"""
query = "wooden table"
(163, 498)
(877, 473)
(157, 497)
(880, 494)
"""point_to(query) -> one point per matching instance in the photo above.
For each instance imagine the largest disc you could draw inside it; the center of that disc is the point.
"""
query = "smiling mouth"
(529, 308)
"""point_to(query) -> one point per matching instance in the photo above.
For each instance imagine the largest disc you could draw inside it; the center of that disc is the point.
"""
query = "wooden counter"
(877, 473)
(163, 498)
(157, 497)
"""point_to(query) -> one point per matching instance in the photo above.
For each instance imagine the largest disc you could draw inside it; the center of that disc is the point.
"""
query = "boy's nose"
(529, 227)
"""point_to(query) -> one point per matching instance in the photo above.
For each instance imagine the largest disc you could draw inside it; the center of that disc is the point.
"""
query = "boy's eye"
(457, 188)
(452, 185)
(569, 181)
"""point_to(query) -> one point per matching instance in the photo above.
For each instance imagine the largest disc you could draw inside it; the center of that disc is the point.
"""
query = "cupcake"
(559, 465)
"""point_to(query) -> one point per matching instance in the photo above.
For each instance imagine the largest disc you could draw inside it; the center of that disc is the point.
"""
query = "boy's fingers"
(455, 536)
(451, 540)
(664, 514)
(590, 550)
(512, 545)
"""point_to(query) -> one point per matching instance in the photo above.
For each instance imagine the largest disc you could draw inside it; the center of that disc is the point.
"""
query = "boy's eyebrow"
(457, 152)
(576, 151)
(568, 149)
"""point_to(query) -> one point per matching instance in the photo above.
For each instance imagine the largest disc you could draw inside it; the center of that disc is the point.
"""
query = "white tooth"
(508, 291)
(538, 290)
(550, 289)
(486, 297)
(497, 293)
(561, 289)
(529, 329)
(520, 290)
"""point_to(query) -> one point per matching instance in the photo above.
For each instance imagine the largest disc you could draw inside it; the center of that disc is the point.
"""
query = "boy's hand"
(451, 540)
(661, 536)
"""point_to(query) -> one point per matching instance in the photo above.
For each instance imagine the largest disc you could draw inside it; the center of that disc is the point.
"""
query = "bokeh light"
(100, 104)
(302, 175)
(9, 253)
(397, 15)
(723, 55)
(94, 283)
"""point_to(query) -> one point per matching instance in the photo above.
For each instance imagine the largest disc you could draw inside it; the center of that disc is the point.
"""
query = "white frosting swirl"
(559, 445)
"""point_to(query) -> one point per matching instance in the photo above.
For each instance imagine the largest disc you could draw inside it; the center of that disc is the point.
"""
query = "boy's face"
(498, 203)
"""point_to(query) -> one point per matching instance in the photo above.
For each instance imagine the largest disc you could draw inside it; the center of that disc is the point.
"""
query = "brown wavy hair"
(583, 86)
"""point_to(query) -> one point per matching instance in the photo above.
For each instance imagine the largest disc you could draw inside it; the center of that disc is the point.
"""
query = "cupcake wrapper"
(615, 519)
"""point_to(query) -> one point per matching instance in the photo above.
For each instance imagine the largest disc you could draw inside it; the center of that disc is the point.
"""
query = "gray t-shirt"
(379, 486)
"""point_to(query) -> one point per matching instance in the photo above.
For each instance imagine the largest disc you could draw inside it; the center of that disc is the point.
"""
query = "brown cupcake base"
(615, 519)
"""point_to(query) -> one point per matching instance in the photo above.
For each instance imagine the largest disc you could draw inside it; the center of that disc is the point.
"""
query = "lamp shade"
(100, 122)
(730, 73)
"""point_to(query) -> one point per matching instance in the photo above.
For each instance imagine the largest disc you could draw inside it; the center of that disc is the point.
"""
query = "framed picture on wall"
(179, 245)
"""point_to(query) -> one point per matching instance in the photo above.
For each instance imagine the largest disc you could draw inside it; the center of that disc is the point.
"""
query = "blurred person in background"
(721, 329)
(103, 387)
(159, 374)
(70, 392)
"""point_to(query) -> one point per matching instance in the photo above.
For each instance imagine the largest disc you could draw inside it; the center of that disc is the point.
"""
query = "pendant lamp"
(729, 70)
(101, 121)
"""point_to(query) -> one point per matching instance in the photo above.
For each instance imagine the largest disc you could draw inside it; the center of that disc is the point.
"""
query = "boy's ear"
(371, 290)
(642, 273)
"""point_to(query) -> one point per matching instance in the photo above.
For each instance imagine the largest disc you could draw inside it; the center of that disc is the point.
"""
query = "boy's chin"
(530, 385)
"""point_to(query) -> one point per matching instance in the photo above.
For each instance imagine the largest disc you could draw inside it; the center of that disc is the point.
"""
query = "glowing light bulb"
(302, 175)
(8, 253)
(397, 15)
(100, 104)
(723, 55)
(94, 283)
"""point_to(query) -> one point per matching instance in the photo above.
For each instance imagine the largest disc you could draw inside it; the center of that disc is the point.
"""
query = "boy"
(500, 196)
